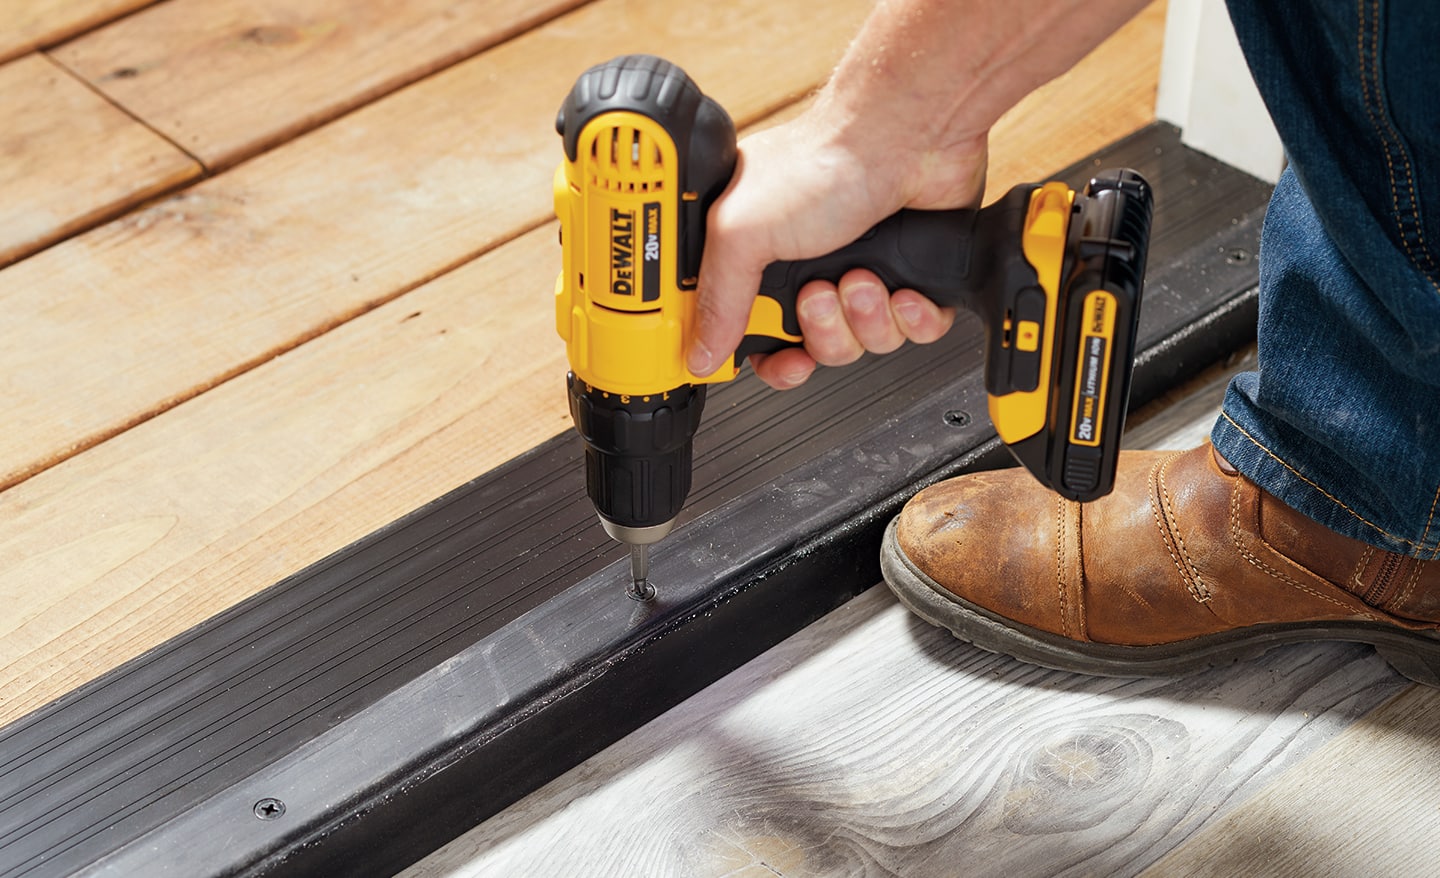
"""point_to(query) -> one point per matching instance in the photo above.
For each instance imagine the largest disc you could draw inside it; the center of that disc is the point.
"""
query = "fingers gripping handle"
(927, 251)
(948, 256)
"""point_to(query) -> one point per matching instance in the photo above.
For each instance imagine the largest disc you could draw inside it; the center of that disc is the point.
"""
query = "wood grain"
(70, 159)
(873, 744)
(869, 743)
(230, 78)
(31, 24)
(182, 516)
(1070, 117)
(1367, 803)
(145, 312)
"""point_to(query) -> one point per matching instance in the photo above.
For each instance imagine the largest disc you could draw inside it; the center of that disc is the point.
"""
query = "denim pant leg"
(1342, 419)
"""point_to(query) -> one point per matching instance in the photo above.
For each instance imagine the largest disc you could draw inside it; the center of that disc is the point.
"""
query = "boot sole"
(1414, 654)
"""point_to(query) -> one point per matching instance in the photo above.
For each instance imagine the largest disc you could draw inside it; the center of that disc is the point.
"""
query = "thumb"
(730, 269)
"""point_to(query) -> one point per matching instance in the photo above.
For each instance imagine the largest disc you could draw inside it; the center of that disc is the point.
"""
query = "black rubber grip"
(949, 256)
(637, 450)
(926, 251)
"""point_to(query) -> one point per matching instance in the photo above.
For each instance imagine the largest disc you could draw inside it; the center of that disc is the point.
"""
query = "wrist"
(907, 151)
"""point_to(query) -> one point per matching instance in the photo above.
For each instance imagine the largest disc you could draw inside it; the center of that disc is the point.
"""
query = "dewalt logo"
(627, 228)
(622, 252)
(1099, 325)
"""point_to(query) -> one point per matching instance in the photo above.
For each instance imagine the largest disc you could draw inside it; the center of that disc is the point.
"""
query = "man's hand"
(903, 122)
(777, 208)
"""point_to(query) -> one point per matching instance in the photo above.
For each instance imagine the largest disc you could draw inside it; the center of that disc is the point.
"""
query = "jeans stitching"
(1390, 141)
(1331, 497)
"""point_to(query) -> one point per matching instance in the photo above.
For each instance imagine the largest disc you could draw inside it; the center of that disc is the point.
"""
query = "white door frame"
(1206, 90)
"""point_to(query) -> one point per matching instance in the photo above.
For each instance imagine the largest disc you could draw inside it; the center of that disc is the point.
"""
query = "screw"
(1237, 256)
(957, 418)
(269, 808)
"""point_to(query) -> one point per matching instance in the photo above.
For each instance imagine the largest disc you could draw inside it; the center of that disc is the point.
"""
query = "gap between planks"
(57, 397)
(73, 160)
(279, 247)
(39, 24)
(166, 523)
(62, 200)
(230, 79)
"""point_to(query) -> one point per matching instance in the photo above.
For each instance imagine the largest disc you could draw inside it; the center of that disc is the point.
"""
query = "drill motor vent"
(626, 159)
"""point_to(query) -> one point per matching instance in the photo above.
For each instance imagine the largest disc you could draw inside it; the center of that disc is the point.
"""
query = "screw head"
(957, 418)
(1237, 256)
(269, 808)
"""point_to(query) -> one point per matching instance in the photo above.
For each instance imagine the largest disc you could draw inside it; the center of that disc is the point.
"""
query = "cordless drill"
(1055, 276)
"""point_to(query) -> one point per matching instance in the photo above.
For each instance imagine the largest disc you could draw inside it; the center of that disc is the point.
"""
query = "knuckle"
(839, 348)
(886, 345)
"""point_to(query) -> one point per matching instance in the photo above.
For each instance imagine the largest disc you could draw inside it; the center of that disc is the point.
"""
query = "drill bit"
(640, 589)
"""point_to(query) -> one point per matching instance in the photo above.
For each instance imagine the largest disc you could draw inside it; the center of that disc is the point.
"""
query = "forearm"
(928, 78)
(903, 122)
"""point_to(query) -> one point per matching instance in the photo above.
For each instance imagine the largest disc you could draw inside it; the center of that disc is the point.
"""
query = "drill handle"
(942, 254)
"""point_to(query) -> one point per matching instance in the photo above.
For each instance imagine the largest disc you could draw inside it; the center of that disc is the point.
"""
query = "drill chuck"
(637, 455)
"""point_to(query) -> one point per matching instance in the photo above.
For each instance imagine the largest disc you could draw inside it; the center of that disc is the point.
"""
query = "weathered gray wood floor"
(873, 744)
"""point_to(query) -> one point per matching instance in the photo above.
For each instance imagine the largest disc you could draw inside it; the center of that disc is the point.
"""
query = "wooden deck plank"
(140, 540)
(1069, 117)
(1364, 804)
(180, 517)
(230, 78)
(32, 24)
(174, 519)
(164, 303)
(71, 159)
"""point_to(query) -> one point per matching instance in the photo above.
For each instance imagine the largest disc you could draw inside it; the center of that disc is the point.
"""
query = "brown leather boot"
(1185, 565)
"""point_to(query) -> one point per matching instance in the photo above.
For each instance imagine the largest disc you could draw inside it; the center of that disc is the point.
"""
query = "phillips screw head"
(640, 588)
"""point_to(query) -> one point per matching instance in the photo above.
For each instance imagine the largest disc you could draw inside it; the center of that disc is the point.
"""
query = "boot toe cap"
(970, 538)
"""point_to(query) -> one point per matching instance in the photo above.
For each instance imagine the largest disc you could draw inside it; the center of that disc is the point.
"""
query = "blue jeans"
(1342, 419)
